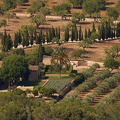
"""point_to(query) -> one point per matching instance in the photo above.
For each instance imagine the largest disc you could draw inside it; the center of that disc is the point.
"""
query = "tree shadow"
(84, 22)
(110, 3)
(53, 20)
(15, 21)
(26, 4)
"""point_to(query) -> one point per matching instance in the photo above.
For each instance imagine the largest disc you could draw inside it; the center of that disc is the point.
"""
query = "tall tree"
(80, 34)
(38, 20)
(13, 67)
(40, 54)
(112, 13)
(59, 59)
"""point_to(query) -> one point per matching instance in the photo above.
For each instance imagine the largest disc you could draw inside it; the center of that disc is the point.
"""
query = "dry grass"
(96, 52)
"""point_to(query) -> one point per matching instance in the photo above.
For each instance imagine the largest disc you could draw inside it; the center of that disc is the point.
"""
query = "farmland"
(57, 84)
(73, 34)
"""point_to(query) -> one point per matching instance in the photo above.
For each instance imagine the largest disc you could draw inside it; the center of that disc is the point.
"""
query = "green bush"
(28, 91)
(18, 91)
(3, 55)
(35, 92)
(19, 51)
(48, 50)
(96, 65)
(79, 79)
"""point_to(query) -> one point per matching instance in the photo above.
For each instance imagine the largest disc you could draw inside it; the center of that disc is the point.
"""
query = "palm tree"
(59, 59)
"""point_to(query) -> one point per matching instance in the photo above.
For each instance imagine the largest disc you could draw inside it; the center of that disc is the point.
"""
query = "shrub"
(19, 51)
(96, 65)
(18, 91)
(35, 92)
(3, 55)
(48, 50)
(28, 91)
(79, 79)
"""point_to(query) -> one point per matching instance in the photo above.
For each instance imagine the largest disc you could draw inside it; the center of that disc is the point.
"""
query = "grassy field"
(63, 78)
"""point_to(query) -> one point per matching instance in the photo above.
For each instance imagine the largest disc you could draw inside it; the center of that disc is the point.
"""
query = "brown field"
(95, 52)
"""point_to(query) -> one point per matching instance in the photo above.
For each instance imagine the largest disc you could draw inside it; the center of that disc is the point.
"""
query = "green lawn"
(63, 78)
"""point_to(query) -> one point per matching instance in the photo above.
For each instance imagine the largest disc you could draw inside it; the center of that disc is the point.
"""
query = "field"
(94, 53)
(57, 84)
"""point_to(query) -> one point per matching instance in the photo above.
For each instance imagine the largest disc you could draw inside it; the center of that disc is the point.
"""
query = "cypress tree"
(26, 41)
(53, 32)
(114, 32)
(109, 30)
(31, 39)
(16, 41)
(72, 34)
(93, 27)
(47, 37)
(66, 34)
(40, 36)
(118, 30)
(43, 38)
(59, 32)
(56, 32)
(50, 35)
(40, 54)
(35, 34)
(89, 33)
(75, 32)
(37, 39)
(10, 43)
(86, 35)
(23, 41)
(80, 33)
(19, 37)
